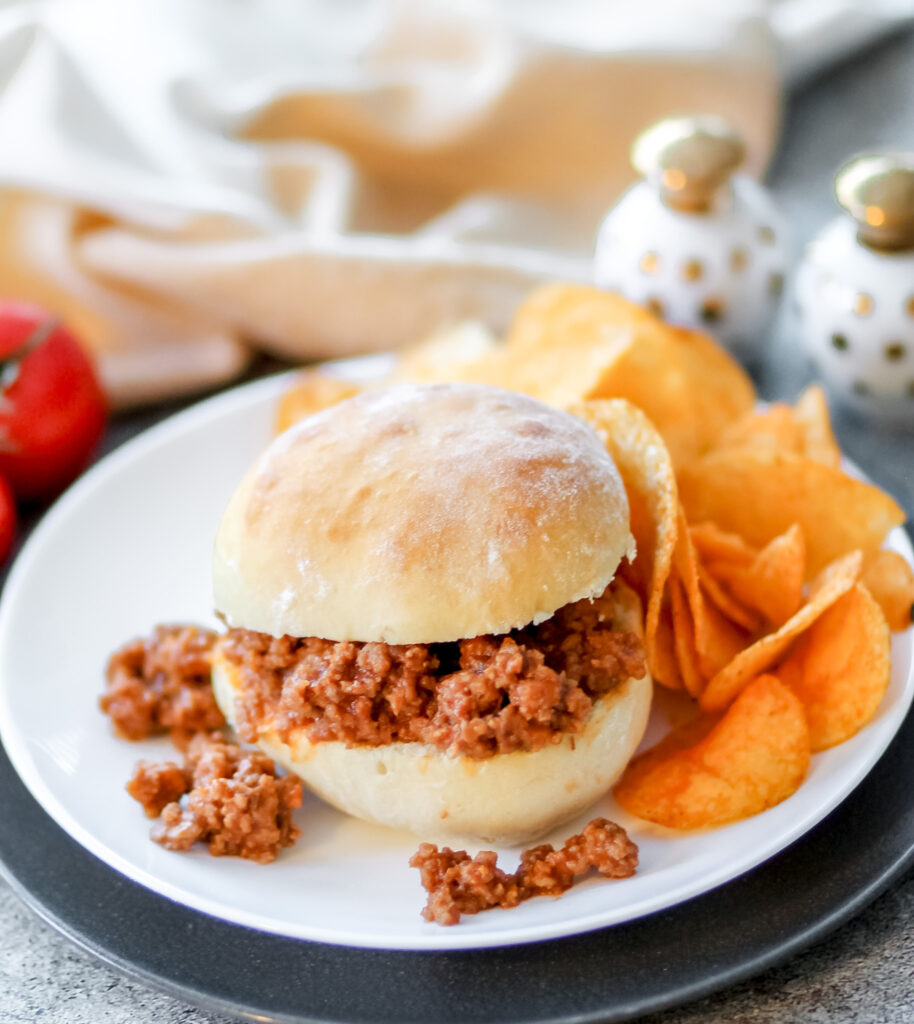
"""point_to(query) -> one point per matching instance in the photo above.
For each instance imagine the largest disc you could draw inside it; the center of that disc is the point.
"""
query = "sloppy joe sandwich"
(423, 619)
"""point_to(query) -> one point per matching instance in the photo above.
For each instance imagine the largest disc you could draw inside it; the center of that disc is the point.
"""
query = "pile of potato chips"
(768, 596)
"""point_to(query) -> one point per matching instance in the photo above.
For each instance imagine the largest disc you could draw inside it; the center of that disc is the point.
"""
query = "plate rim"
(171, 427)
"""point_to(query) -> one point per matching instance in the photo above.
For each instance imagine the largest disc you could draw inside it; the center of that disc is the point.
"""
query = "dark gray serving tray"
(615, 974)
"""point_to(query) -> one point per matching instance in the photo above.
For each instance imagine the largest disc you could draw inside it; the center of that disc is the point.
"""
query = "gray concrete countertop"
(861, 974)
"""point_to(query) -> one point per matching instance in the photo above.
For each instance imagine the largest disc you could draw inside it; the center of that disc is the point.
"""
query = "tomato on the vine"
(7, 518)
(52, 408)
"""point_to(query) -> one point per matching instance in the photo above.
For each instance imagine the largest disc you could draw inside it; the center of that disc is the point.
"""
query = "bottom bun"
(504, 799)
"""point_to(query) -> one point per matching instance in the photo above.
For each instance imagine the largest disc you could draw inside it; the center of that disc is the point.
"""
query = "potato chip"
(684, 641)
(688, 386)
(760, 494)
(718, 770)
(559, 345)
(890, 579)
(569, 371)
(555, 314)
(313, 391)
(770, 429)
(726, 603)
(666, 667)
(569, 343)
(804, 429)
(445, 355)
(559, 375)
(717, 641)
(716, 545)
(811, 413)
(568, 338)
(647, 472)
(833, 582)
(676, 707)
(773, 583)
(841, 668)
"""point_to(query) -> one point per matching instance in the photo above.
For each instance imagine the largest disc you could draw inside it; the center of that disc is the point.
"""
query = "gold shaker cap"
(877, 190)
(688, 159)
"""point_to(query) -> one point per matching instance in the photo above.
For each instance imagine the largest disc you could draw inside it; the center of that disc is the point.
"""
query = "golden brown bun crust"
(509, 798)
(421, 514)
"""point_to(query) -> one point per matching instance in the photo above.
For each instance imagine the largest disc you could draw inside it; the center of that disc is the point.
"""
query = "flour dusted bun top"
(421, 514)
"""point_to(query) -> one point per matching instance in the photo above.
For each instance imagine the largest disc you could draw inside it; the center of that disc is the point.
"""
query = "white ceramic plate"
(129, 547)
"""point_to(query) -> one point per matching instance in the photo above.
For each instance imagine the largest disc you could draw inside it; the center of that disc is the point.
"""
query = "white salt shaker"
(695, 242)
(855, 289)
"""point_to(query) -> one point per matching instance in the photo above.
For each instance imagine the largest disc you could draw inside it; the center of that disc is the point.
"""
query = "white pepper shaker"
(855, 289)
(697, 243)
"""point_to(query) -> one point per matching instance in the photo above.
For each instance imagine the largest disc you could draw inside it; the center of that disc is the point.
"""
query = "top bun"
(421, 514)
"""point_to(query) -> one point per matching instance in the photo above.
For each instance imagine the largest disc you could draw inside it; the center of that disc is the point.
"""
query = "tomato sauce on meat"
(477, 697)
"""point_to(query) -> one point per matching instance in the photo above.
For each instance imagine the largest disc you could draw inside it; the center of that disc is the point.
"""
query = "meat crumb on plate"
(224, 796)
(162, 684)
(459, 884)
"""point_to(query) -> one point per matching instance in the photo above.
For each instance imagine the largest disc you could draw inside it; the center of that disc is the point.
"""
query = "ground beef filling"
(224, 796)
(162, 684)
(479, 697)
(458, 884)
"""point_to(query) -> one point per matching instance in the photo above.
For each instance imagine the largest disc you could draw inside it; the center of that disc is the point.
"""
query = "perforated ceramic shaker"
(855, 289)
(694, 241)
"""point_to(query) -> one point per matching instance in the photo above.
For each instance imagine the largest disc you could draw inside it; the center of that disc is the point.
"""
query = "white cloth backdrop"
(185, 179)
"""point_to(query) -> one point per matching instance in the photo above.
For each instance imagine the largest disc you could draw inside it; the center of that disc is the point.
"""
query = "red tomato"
(7, 518)
(52, 409)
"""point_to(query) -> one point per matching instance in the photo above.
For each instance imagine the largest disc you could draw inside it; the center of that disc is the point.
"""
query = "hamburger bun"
(430, 514)
(421, 514)
(508, 798)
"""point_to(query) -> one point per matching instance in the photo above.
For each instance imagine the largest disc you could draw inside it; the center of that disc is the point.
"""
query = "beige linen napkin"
(182, 180)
